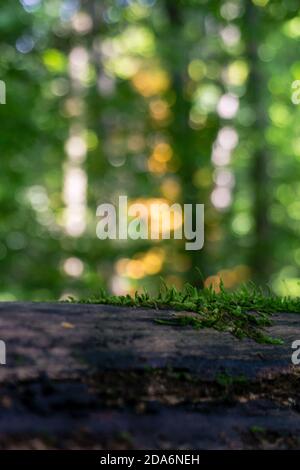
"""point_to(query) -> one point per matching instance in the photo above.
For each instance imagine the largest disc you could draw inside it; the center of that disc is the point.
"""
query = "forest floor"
(85, 376)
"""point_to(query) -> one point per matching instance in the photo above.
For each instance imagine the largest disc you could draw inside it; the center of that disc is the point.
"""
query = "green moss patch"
(244, 313)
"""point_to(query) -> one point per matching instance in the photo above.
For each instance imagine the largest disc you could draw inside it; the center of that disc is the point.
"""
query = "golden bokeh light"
(151, 82)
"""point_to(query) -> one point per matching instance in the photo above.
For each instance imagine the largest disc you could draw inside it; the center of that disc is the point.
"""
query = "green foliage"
(145, 72)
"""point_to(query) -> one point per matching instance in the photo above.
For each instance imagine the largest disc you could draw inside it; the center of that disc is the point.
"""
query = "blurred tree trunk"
(260, 260)
(188, 143)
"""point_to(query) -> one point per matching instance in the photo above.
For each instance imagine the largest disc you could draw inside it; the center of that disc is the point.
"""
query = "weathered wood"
(93, 376)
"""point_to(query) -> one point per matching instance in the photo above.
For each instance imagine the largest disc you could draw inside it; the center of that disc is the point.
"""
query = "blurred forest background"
(180, 101)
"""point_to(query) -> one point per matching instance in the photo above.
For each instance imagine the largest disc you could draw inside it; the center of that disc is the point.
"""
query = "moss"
(244, 313)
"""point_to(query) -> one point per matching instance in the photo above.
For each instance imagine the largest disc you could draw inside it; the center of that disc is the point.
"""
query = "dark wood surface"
(92, 376)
